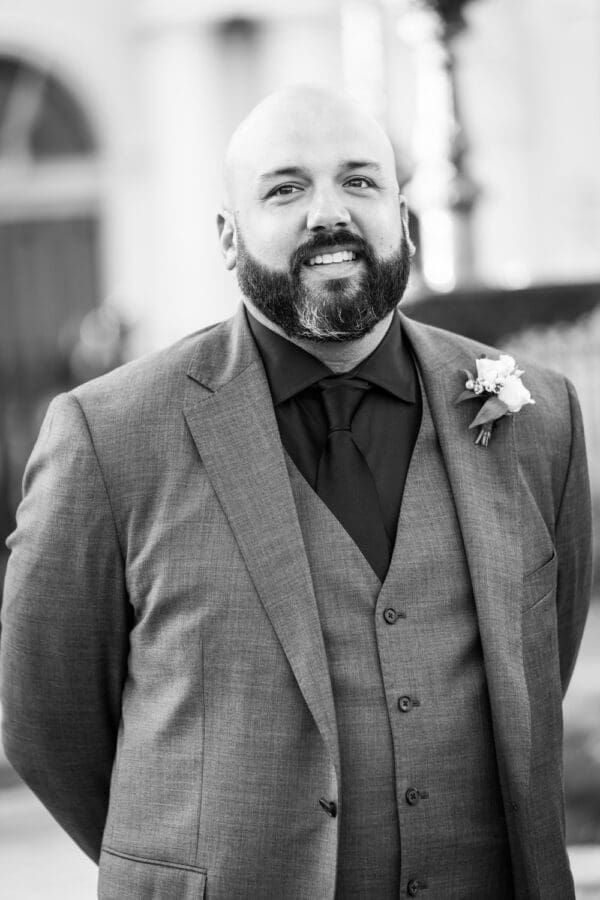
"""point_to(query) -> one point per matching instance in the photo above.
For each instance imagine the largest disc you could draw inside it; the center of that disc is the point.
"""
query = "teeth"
(327, 258)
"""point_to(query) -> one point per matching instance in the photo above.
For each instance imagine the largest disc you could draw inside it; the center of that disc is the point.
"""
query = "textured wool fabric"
(123, 876)
(440, 743)
(165, 686)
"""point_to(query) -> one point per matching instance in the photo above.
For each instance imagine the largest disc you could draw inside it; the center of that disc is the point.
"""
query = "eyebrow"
(360, 164)
(295, 171)
(282, 173)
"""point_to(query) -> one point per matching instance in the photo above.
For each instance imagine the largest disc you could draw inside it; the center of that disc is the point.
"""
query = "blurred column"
(363, 53)
(441, 190)
(181, 77)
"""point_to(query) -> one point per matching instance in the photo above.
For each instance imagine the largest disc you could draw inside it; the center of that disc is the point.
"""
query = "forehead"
(326, 139)
(313, 140)
(326, 145)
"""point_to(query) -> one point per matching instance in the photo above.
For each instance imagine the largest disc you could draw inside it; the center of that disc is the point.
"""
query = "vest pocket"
(122, 875)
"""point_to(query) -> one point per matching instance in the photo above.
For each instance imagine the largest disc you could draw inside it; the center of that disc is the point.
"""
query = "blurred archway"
(49, 250)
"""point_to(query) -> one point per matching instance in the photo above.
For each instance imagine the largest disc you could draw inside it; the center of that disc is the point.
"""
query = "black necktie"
(344, 480)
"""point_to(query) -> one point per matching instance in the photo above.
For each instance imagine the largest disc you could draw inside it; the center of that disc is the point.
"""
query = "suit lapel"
(485, 486)
(236, 434)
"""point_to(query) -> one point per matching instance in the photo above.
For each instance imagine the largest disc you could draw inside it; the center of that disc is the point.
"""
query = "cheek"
(389, 241)
(271, 241)
(384, 231)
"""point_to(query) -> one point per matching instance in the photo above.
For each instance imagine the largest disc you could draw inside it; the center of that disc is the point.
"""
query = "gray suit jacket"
(165, 684)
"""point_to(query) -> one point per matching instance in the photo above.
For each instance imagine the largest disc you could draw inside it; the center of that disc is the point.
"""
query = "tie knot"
(341, 397)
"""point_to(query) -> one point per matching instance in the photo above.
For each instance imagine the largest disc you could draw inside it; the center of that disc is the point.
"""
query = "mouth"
(336, 262)
(331, 259)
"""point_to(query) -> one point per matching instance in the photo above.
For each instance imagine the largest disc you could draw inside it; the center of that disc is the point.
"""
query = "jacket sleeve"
(573, 541)
(65, 624)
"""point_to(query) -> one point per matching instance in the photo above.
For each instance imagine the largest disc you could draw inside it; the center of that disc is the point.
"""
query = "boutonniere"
(498, 381)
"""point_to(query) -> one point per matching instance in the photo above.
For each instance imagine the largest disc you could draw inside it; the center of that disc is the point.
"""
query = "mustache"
(327, 240)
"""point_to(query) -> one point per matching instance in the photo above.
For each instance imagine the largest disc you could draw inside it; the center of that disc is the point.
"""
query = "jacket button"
(412, 796)
(405, 704)
(330, 806)
(390, 615)
(413, 887)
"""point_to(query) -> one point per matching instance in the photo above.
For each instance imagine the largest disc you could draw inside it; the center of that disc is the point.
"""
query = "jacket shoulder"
(457, 347)
(148, 382)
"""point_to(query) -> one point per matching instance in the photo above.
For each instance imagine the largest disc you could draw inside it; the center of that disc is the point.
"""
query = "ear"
(227, 238)
(404, 217)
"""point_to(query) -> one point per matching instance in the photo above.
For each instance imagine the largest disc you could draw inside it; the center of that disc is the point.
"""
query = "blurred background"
(114, 115)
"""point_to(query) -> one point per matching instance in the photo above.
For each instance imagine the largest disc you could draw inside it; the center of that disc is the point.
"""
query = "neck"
(339, 356)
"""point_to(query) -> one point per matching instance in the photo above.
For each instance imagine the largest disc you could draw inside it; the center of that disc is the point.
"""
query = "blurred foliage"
(490, 316)
(582, 779)
(582, 740)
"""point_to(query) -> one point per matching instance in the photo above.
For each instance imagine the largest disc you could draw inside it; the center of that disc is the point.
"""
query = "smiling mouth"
(327, 259)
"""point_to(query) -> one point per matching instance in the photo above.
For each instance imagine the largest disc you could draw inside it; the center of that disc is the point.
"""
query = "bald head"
(309, 119)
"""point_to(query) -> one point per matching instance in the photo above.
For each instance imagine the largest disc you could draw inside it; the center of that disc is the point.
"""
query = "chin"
(337, 290)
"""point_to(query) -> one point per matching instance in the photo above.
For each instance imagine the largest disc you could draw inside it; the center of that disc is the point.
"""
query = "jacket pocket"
(122, 876)
(542, 673)
(537, 585)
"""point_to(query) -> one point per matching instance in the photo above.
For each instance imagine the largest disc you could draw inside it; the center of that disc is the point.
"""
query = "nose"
(327, 210)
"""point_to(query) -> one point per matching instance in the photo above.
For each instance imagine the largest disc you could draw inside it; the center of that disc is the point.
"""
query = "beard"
(338, 309)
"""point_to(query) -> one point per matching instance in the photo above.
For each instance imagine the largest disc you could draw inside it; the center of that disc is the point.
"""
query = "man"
(275, 626)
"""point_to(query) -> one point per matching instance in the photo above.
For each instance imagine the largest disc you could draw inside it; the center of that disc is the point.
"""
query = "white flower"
(514, 393)
(500, 380)
(489, 371)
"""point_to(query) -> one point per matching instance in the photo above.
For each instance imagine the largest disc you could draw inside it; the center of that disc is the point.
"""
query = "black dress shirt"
(385, 425)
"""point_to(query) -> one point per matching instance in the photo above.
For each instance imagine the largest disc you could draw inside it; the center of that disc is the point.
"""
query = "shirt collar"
(291, 370)
(390, 365)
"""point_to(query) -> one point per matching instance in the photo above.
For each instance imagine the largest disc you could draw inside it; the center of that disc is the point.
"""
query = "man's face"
(318, 230)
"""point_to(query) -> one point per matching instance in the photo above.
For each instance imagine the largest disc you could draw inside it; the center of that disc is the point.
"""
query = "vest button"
(330, 806)
(405, 704)
(390, 615)
(412, 796)
(413, 887)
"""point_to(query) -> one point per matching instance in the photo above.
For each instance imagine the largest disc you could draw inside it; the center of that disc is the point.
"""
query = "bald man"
(276, 624)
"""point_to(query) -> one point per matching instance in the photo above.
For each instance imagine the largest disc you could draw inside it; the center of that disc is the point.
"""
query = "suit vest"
(420, 805)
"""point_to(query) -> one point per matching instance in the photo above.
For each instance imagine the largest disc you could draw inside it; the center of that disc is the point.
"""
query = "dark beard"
(339, 310)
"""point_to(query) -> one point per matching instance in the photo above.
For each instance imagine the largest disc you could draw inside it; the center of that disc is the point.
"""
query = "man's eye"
(284, 190)
(359, 181)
